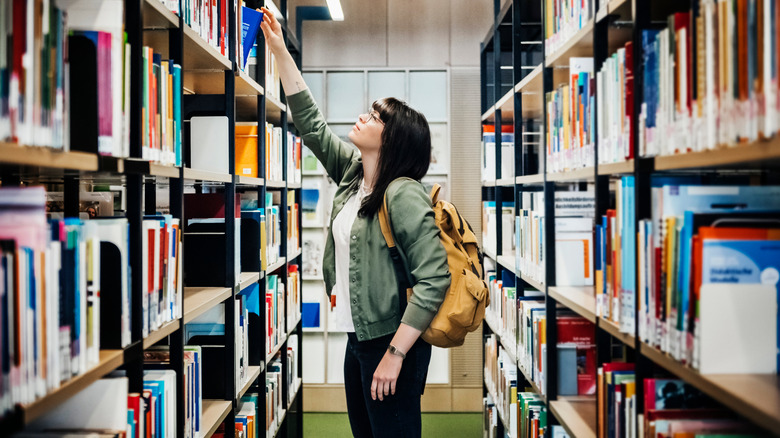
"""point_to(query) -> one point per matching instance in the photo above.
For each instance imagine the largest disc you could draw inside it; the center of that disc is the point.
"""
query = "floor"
(455, 425)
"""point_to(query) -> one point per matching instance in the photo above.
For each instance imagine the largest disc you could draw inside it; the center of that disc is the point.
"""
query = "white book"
(738, 328)
(115, 232)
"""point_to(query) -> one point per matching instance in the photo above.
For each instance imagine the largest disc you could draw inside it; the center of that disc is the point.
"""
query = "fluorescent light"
(336, 14)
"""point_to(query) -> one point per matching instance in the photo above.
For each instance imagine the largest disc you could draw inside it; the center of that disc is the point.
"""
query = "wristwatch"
(391, 348)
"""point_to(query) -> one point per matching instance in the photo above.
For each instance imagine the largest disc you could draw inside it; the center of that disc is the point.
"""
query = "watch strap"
(393, 350)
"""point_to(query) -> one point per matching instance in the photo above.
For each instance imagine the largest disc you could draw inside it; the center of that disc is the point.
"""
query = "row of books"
(274, 304)
(563, 18)
(294, 296)
(209, 19)
(161, 110)
(489, 230)
(501, 379)
(73, 275)
(571, 119)
(573, 237)
(524, 414)
(275, 240)
(162, 273)
(276, 380)
(615, 261)
(293, 224)
(273, 82)
(711, 78)
(529, 237)
(615, 94)
(489, 152)
(246, 158)
(706, 264)
(501, 312)
(33, 109)
(672, 408)
(576, 346)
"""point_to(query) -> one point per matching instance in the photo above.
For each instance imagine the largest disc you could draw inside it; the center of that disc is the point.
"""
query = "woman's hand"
(385, 376)
(272, 31)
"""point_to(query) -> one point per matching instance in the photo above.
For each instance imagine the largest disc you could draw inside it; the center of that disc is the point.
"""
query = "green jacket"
(373, 286)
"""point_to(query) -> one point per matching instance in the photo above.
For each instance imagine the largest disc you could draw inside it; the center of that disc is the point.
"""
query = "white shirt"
(342, 230)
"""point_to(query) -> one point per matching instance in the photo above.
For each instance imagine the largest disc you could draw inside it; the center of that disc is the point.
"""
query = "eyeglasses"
(373, 115)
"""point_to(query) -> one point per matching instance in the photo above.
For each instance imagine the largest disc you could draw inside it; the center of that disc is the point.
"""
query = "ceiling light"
(336, 14)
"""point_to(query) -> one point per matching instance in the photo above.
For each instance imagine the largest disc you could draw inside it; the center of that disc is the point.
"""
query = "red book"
(223, 25)
(208, 205)
(134, 404)
(682, 21)
(581, 332)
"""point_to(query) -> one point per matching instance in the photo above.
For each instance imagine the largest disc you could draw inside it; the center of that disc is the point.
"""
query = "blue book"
(650, 55)
(251, 20)
(177, 92)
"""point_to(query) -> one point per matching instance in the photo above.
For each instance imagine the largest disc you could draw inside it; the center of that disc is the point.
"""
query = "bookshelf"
(212, 84)
(516, 78)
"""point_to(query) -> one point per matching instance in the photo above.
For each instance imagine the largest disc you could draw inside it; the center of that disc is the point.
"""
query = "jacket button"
(354, 237)
(353, 280)
(354, 301)
(357, 325)
(361, 336)
(353, 257)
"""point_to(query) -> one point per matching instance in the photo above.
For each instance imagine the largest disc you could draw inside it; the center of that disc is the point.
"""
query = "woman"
(386, 362)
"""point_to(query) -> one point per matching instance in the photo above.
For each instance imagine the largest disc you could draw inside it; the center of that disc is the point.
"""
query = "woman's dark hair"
(405, 150)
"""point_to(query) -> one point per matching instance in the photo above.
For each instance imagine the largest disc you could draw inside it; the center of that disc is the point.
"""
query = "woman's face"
(367, 132)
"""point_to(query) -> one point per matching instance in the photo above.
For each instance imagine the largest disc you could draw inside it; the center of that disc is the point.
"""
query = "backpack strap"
(384, 223)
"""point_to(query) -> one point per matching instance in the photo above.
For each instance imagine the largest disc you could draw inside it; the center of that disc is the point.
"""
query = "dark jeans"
(398, 416)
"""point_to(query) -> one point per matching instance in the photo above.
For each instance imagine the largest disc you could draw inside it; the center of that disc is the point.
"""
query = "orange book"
(246, 149)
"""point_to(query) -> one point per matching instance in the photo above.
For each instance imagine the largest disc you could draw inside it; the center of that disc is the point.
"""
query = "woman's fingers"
(373, 389)
(392, 387)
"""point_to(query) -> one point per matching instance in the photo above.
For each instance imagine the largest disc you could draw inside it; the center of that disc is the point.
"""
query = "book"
(250, 26)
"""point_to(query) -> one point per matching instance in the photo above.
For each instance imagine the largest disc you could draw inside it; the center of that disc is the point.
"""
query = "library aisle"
(629, 202)
(163, 225)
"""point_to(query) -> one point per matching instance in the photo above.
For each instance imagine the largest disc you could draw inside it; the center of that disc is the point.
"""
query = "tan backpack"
(464, 305)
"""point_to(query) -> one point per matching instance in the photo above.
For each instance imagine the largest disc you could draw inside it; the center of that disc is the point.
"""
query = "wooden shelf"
(507, 261)
(199, 55)
(205, 175)
(507, 106)
(505, 182)
(530, 179)
(294, 185)
(294, 254)
(582, 174)
(756, 155)
(577, 415)
(491, 183)
(38, 156)
(613, 329)
(274, 266)
(276, 184)
(489, 253)
(580, 44)
(250, 181)
(253, 372)
(197, 300)
(247, 279)
(109, 361)
(214, 413)
(532, 89)
(161, 333)
(754, 396)
(580, 299)
(532, 282)
(246, 86)
(157, 16)
(144, 167)
(616, 168)
(501, 415)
